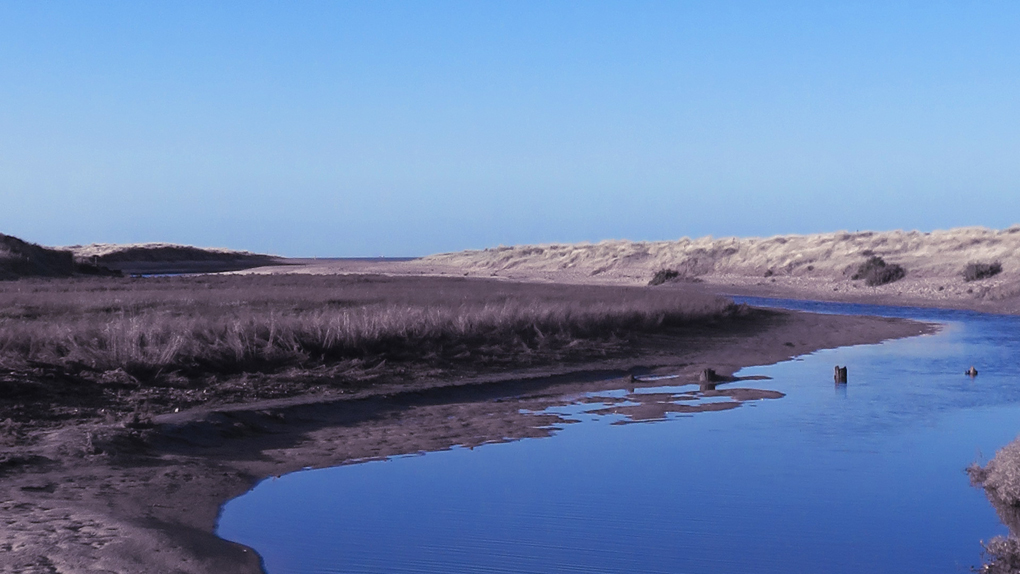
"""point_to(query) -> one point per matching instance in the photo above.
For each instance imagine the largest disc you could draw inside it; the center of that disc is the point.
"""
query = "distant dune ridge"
(934, 262)
(156, 252)
(934, 254)
(168, 258)
(19, 258)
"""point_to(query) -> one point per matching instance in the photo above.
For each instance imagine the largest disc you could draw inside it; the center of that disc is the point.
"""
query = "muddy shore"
(98, 497)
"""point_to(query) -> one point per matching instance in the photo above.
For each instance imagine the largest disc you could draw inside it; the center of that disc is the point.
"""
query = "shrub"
(976, 271)
(1001, 476)
(1002, 556)
(875, 271)
(663, 275)
(1000, 479)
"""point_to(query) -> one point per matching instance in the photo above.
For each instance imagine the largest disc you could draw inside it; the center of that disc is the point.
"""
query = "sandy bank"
(101, 497)
(818, 267)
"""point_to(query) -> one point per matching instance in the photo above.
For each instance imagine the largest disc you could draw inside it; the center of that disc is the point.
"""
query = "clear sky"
(406, 128)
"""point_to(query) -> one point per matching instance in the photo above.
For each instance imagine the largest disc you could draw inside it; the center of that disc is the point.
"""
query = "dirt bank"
(109, 497)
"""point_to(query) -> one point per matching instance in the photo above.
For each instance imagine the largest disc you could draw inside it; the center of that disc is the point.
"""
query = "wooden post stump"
(840, 374)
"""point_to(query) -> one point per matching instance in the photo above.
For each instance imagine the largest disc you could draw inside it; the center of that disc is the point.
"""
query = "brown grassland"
(102, 345)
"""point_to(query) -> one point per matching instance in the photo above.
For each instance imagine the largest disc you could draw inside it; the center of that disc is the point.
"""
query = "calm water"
(864, 478)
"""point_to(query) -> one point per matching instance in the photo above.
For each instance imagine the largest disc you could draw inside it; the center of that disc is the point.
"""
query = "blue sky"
(407, 128)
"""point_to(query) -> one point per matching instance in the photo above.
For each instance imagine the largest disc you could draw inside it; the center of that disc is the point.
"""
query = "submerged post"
(840, 374)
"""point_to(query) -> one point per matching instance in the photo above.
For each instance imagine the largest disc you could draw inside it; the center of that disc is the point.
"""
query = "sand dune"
(140, 258)
(935, 254)
(154, 252)
(799, 265)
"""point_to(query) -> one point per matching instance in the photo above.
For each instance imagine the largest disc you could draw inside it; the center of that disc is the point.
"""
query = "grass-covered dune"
(19, 258)
(155, 258)
(23, 259)
(185, 340)
(971, 267)
(934, 254)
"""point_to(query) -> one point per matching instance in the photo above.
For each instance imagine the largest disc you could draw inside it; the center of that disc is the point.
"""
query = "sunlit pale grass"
(242, 324)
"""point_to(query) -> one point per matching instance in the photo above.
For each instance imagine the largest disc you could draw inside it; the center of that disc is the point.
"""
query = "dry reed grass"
(236, 324)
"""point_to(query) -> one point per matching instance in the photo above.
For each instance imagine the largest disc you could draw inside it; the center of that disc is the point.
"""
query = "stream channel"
(864, 477)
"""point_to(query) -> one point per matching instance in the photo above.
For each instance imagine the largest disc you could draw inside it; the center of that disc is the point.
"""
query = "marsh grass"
(152, 328)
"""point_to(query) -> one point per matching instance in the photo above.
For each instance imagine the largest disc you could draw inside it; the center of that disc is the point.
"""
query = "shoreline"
(996, 295)
(145, 499)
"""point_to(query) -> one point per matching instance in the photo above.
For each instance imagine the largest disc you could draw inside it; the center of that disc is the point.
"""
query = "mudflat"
(118, 458)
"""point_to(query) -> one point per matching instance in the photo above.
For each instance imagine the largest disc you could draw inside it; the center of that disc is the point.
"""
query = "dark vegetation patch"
(23, 259)
(977, 271)
(83, 345)
(166, 259)
(875, 271)
(664, 276)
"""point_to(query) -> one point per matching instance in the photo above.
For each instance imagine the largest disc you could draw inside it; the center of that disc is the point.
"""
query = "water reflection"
(637, 407)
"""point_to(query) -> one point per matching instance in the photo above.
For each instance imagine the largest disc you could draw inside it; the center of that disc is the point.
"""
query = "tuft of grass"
(978, 271)
(875, 271)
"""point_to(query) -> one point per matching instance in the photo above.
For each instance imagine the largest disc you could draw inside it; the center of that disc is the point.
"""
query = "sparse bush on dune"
(203, 325)
(664, 275)
(977, 271)
(875, 271)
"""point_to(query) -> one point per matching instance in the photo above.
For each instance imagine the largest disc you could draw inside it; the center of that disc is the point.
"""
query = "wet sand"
(144, 498)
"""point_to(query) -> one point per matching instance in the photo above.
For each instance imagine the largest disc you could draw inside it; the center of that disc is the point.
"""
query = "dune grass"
(192, 326)
(937, 254)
